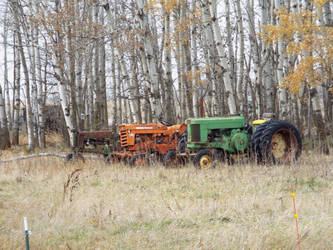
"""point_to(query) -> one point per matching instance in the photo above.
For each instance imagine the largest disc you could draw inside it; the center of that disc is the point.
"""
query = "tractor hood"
(201, 130)
(219, 122)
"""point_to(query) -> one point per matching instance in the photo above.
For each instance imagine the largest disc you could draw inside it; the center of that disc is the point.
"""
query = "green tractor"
(227, 138)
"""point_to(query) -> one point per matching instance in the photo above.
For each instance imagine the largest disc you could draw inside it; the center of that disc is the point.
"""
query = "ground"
(92, 205)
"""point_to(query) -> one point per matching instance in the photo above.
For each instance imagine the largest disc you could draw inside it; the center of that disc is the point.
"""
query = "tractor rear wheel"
(182, 142)
(203, 159)
(256, 139)
(171, 160)
(182, 145)
(277, 142)
(138, 160)
(112, 159)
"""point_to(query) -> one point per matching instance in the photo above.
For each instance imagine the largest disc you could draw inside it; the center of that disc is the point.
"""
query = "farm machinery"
(96, 142)
(136, 144)
(201, 140)
(142, 143)
(229, 138)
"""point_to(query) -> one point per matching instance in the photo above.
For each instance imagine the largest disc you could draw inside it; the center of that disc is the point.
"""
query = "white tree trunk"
(241, 56)
(64, 96)
(31, 43)
(114, 90)
(211, 59)
(40, 92)
(31, 144)
(222, 56)
(282, 62)
(63, 81)
(327, 14)
(79, 92)
(195, 66)
(120, 99)
(183, 76)
(102, 71)
(135, 88)
(170, 111)
(232, 64)
(97, 76)
(210, 80)
(6, 85)
(90, 104)
(125, 75)
(4, 140)
(17, 92)
(268, 72)
(152, 64)
(319, 121)
(130, 87)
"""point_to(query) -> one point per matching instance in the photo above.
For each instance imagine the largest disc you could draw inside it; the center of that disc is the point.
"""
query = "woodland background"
(111, 62)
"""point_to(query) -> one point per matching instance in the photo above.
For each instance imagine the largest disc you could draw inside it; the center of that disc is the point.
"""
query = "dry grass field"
(92, 205)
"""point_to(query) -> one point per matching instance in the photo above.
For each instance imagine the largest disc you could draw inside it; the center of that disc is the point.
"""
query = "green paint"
(227, 133)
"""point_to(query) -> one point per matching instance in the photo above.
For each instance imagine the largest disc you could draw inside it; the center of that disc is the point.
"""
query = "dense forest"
(107, 62)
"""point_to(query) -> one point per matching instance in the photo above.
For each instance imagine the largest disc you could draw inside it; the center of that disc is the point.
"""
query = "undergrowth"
(93, 205)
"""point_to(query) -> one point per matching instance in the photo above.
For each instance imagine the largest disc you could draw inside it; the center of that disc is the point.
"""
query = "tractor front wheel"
(203, 159)
(138, 160)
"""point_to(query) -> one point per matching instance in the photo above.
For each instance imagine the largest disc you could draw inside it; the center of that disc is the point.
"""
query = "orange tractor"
(136, 144)
(142, 143)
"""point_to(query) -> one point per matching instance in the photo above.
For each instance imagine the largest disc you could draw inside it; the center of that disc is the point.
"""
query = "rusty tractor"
(140, 144)
(136, 144)
(95, 142)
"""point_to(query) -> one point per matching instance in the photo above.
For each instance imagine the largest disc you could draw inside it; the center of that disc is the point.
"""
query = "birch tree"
(169, 115)
(281, 68)
(269, 94)
(241, 56)
(59, 66)
(4, 141)
(312, 47)
(17, 91)
(142, 17)
(6, 82)
(15, 11)
(222, 56)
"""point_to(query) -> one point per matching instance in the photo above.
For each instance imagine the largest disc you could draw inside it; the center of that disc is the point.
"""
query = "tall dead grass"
(92, 205)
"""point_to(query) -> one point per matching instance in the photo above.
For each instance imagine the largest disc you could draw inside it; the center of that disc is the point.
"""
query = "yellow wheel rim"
(206, 161)
(278, 145)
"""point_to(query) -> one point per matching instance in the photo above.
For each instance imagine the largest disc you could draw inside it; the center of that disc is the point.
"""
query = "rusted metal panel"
(95, 141)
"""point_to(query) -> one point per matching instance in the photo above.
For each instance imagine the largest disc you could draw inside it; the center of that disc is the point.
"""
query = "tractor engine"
(225, 133)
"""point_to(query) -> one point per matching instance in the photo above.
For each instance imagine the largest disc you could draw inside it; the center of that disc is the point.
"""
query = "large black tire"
(171, 160)
(112, 159)
(182, 143)
(138, 160)
(204, 159)
(256, 139)
(276, 142)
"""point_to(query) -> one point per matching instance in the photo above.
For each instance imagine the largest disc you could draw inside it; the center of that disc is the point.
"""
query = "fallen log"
(64, 156)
